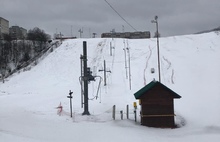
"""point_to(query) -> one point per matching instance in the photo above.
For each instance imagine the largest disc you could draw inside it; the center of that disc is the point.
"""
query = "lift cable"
(120, 15)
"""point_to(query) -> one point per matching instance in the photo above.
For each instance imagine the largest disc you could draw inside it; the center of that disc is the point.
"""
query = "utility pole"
(61, 40)
(80, 32)
(104, 70)
(158, 52)
(85, 80)
(71, 31)
(112, 31)
(111, 48)
(94, 35)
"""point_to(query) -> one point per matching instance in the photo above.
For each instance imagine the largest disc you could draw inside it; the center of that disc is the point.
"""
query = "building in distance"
(129, 35)
(17, 32)
(4, 27)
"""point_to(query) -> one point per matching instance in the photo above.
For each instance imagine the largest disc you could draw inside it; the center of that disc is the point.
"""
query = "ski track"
(97, 60)
(146, 65)
(167, 65)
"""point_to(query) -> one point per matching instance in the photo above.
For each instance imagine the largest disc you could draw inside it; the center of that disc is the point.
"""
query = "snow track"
(167, 71)
(146, 65)
(98, 57)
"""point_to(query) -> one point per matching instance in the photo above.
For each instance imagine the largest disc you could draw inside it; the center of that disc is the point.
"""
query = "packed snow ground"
(189, 66)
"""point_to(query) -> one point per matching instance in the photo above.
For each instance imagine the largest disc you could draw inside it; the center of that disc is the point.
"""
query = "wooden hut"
(157, 107)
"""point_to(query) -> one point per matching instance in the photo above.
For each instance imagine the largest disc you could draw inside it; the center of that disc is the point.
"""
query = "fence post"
(121, 114)
(127, 111)
(135, 112)
(113, 112)
(135, 115)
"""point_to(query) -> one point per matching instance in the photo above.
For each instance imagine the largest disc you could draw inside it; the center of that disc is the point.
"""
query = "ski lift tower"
(85, 80)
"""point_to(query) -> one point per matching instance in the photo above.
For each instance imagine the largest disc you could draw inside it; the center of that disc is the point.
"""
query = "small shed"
(157, 107)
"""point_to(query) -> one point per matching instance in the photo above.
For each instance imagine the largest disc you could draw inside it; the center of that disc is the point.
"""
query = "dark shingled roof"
(149, 86)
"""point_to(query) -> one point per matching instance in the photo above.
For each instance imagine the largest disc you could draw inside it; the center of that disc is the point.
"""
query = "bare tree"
(38, 37)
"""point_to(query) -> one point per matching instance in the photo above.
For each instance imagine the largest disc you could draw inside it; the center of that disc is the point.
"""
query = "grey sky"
(176, 17)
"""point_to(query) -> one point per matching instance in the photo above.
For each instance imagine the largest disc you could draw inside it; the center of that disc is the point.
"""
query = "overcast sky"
(176, 17)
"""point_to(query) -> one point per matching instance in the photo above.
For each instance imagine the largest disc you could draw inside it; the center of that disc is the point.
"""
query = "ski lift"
(152, 70)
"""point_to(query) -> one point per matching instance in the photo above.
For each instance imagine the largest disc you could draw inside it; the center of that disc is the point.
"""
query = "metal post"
(81, 66)
(105, 73)
(70, 97)
(135, 115)
(110, 48)
(71, 31)
(121, 112)
(135, 111)
(113, 112)
(127, 108)
(125, 62)
(71, 112)
(85, 79)
(158, 51)
(80, 32)
(129, 67)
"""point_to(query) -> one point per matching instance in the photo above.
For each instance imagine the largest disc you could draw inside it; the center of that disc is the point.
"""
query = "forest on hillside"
(16, 53)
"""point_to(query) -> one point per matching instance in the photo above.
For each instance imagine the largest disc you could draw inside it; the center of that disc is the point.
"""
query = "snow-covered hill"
(189, 66)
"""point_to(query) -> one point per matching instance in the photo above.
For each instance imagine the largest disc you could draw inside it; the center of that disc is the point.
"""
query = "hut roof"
(151, 85)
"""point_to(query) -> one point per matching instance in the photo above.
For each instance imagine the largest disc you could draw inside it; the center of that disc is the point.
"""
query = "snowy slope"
(189, 66)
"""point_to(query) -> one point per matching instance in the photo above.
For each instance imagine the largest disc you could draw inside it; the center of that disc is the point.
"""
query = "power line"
(120, 15)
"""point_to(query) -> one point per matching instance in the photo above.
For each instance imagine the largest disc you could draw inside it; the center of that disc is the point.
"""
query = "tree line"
(15, 52)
